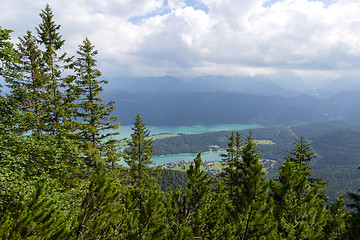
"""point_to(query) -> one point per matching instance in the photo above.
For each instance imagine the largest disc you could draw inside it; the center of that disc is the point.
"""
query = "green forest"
(60, 176)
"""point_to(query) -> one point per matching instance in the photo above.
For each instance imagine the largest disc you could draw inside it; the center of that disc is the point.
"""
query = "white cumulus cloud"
(231, 37)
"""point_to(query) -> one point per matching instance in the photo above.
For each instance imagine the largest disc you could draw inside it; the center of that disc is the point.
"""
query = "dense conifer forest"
(60, 176)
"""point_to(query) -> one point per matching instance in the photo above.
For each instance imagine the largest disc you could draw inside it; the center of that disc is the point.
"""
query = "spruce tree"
(55, 84)
(138, 156)
(145, 191)
(95, 121)
(29, 87)
(302, 152)
(231, 161)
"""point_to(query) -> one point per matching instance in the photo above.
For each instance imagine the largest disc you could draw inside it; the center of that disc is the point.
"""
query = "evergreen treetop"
(302, 152)
(8, 55)
(95, 121)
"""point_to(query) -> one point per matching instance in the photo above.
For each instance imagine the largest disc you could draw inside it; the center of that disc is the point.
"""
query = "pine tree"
(299, 201)
(55, 83)
(250, 211)
(189, 213)
(94, 125)
(335, 227)
(353, 221)
(354, 217)
(231, 179)
(36, 218)
(102, 214)
(256, 209)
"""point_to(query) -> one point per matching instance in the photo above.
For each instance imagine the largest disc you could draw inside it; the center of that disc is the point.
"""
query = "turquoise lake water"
(126, 131)
(207, 156)
(188, 157)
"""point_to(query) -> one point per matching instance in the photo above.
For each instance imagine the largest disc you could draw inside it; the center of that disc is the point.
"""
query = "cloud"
(231, 37)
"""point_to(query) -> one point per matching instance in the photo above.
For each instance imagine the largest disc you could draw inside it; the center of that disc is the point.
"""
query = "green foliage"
(195, 212)
(29, 87)
(27, 160)
(232, 161)
(302, 152)
(256, 204)
(95, 124)
(190, 211)
(250, 208)
(8, 55)
(11, 121)
(57, 105)
(49, 35)
(101, 213)
(138, 156)
(60, 176)
(299, 209)
(354, 217)
(299, 201)
(335, 227)
(36, 218)
(145, 192)
(172, 179)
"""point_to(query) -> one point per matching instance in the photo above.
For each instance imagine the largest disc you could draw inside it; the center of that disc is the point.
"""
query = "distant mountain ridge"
(284, 85)
(257, 85)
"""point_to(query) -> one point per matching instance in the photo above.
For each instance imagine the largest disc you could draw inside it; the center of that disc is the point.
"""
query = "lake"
(195, 129)
(206, 156)
(125, 131)
(188, 157)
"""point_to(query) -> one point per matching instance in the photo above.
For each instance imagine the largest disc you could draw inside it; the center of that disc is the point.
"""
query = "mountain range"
(282, 85)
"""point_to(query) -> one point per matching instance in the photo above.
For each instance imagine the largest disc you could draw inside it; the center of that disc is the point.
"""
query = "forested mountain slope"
(336, 142)
(190, 108)
(212, 108)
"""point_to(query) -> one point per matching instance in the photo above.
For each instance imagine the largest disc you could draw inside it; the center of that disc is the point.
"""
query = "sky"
(190, 38)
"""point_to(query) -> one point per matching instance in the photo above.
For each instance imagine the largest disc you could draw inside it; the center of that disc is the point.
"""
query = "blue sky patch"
(196, 4)
(326, 2)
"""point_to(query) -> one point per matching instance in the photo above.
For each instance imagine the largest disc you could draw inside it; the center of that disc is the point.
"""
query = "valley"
(336, 143)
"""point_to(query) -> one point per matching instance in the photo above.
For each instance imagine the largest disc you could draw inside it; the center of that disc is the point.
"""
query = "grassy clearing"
(186, 167)
(160, 136)
(217, 166)
(264, 142)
